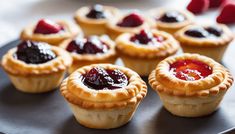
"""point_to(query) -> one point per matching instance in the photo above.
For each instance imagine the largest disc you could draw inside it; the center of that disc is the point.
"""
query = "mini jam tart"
(128, 23)
(36, 67)
(51, 32)
(109, 93)
(171, 20)
(145, 48)
(203, 39)
(90, 50)
(190, 85)
(93, 19)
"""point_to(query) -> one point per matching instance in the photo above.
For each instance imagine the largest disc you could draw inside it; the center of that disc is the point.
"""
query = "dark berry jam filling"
(146, 38)
(34, 52)
(131, 20)
(190, 70)
(209, 32)
(172, 16)
(99, 78)
(96, 12)
(90, 45)
(47, 27)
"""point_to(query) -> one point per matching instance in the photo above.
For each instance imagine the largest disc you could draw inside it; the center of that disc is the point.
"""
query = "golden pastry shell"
(226, 37)
(77, 93)
(166, 48)
(70, 31)
(158, 12)
(16, 67)
(162, 80)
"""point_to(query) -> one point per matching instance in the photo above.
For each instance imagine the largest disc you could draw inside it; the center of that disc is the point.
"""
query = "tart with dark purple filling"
(171, 20)
(36, 67)
(50, 32)
(93, 19)
(90, 50)
(208, 40)
(190, 85)
(109, 93)
(142, 51)
(128, 23)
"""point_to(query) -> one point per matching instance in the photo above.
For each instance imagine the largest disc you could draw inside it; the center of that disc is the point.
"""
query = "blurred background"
(16, 14)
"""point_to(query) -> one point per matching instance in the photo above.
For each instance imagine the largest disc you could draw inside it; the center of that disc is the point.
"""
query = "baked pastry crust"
(226, 37)
(220, 80)
(171, 27)
(168, 47)
(113, 30)
(70, 31)
(94, 26)
(80, 60)
(78, 94)
(19, 68)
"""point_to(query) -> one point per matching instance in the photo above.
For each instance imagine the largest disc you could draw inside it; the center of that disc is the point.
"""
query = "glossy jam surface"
(45, 26)
(90, 45)
(34, 52)
(204, 32)
(99, 78)
(171, 17)
(96, 12)
(146, 38)
(131, 20)
(190, 70)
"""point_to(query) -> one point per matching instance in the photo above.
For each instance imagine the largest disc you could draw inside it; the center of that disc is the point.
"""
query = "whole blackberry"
(34, 52)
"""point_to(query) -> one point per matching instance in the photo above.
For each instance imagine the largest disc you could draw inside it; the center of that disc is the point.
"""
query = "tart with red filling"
(171, 20)
(103, 96)
(90, 50)
(190, 85)
(93, 19)
(208, 40)
(128, 23)
(49, 31)
(36, 67)
(144, 50)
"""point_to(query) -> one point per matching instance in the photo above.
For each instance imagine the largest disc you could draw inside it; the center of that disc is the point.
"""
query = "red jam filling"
(190, 70)
(146, 38)
(99, 78)
(90, 45)
(45, 26)
(131, 20)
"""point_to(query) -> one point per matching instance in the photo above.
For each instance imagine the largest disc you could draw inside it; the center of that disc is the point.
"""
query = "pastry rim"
(226, 37)
(92, 57)
(168, 47)
(80, 15)
(71, 30)
(219, 80)
(77, 93)
(20, 68)
(157, 12)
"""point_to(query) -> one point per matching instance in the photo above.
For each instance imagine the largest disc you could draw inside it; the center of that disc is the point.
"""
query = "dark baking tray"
(47, 113)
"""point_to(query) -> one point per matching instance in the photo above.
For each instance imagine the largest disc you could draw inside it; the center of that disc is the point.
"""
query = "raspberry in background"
(217, 3)
(227, 15)
(198, 6)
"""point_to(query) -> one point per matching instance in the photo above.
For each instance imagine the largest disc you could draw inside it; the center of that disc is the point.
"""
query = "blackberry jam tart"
(190, 85)
(208, 40)
(109, 93)
(146, 48)
(50, 32)
(93, 19)
(128, 23)
(36, 67)
(171, 20)
(90, 50)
